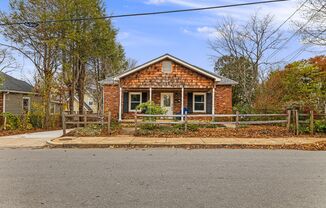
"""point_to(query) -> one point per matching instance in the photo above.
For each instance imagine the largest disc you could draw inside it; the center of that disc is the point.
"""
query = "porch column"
(150, 94)
(182, 102)
(213, 102)
(120, 100)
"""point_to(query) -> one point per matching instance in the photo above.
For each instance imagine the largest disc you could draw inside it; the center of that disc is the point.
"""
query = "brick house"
(170, 82)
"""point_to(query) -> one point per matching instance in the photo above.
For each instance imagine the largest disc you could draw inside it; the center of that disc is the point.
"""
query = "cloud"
(156, 2)
(186, 3)
(208, 31)
(281, 11)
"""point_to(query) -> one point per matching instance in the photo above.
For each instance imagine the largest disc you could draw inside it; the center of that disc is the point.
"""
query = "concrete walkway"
(131, 141)
(32, 140)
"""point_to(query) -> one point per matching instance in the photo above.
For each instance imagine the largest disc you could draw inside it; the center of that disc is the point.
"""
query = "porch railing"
(235, 119)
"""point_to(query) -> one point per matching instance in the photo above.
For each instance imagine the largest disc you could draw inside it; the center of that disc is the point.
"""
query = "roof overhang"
(168, 56)
(18, 92)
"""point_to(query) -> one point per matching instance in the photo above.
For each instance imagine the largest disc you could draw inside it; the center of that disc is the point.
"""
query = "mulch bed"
(243, 132)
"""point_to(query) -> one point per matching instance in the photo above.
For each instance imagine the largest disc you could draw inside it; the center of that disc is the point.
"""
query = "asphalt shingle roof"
(10, 83)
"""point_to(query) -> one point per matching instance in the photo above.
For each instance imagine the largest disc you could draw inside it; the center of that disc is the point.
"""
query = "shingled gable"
(168, 56)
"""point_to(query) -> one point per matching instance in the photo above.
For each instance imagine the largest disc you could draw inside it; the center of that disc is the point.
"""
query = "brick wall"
(152, 76)
(111, 100)
(223, 99)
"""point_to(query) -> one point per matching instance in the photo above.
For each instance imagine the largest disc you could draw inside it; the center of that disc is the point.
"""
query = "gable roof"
(15, 85)
(173, 58)
(220, 80)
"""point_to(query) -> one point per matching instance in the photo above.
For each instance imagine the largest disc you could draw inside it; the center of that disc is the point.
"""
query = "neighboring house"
(170, 82)
(90, 104)
(17, 96)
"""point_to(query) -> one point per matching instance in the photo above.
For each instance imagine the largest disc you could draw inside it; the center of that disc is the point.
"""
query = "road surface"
(162, 178)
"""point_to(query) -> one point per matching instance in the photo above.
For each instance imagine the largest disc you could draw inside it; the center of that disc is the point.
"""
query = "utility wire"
(294, 34)
(287, 19)
(36, 23)
(299, 51)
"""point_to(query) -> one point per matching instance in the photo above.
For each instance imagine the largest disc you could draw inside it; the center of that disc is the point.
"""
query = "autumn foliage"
(301, 85)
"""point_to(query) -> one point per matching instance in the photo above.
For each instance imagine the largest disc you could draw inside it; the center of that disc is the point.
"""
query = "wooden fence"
(77, 120)
(305, 119)
(235, 119)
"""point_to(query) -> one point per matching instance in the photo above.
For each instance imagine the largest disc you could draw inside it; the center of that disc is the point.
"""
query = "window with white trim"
(135, 99)
(166, 67)
(26, 104)
(199, 104)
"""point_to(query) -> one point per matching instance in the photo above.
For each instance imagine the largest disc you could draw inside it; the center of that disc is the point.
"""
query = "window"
(166, 67)
(134, 100)
(90, 103)
(26, 104)
(199, 102)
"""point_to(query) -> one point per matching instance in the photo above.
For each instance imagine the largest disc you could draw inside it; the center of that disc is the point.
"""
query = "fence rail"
(83, 119)
(186, 119)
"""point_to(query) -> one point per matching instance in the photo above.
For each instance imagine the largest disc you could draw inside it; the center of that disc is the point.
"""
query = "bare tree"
(131, 63)
(252, 40)
(7, 61)
(315, 32)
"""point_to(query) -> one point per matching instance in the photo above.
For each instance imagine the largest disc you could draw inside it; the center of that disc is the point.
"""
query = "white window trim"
(193, 100)
(29, 103)
(129, 103)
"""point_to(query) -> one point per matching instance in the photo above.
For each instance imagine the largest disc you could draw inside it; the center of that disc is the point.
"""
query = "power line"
(287, 19)
(36, 23)
(294, 34)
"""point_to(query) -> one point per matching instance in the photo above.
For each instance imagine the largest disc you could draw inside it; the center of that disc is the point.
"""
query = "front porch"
(191, 100)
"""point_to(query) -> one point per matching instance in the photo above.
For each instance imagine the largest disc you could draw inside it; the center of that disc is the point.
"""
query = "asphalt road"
(162, 178)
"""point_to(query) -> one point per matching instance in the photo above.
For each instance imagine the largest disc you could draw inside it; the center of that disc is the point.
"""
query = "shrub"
(12, 121)
(320, 126)
(151, 108)
(37, 115)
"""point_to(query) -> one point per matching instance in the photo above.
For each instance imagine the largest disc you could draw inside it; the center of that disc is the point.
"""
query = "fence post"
(311, 122)
(109, 123)
(288, 124)
(296, 115)
(186, 121)
(136, 123)
(64, 123)
(237, 119)
(85, 118)
(78, 119)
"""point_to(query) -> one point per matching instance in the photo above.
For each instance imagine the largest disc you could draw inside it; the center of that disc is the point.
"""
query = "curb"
(305, 147)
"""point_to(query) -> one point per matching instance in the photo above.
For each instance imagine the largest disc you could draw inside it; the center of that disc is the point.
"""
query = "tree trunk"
(81, 87)
(47, 98)
(71, 99)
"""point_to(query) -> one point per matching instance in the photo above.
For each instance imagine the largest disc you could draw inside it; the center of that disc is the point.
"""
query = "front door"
(167, 102)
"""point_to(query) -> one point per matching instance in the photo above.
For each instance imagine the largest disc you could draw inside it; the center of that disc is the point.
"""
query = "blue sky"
(184, 35)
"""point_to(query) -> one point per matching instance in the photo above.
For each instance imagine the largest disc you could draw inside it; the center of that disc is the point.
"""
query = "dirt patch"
(243, 132)
(23, 131)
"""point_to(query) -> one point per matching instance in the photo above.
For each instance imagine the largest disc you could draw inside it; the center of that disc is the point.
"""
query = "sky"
(184, 35)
